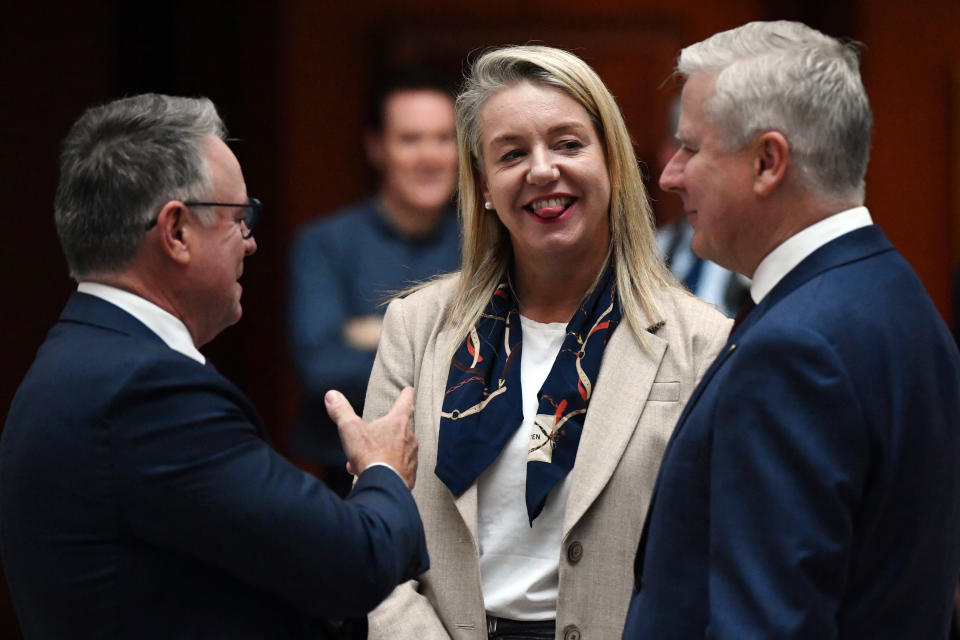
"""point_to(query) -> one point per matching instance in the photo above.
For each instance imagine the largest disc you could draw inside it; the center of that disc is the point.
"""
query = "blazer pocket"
(664, 392)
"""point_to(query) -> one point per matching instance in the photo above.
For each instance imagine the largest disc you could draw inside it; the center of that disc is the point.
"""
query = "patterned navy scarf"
(483, 407)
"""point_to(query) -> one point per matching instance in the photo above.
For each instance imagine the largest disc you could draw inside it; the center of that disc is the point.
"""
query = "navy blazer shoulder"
(141, 499)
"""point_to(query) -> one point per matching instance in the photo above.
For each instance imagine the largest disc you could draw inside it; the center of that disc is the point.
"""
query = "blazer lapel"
(728, 349)
(466, 503)
(856, 245)
(623, 385)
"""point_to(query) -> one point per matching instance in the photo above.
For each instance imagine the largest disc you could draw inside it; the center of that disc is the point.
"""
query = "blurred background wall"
(291, 79)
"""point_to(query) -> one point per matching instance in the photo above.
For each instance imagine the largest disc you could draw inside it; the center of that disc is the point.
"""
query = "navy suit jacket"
(139, 498)
(810, 489)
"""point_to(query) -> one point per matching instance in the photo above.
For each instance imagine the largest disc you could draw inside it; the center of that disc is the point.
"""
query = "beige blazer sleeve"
(406, 613)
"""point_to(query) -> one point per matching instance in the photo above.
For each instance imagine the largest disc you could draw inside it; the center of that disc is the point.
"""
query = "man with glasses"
(139, 495)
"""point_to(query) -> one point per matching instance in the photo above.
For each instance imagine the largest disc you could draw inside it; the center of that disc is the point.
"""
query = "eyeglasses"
(251, 216)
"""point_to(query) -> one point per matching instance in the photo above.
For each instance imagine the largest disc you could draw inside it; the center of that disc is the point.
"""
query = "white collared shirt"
(163, 323)
(794, 249)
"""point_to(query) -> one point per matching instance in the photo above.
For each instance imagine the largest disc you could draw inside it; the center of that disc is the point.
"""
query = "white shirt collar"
(163, 323)
(794, 249)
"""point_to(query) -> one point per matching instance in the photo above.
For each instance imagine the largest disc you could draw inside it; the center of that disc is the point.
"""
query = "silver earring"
(488, 205)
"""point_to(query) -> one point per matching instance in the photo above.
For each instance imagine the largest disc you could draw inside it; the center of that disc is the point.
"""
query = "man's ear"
(373, 143)
(171, 223)
(770, 163)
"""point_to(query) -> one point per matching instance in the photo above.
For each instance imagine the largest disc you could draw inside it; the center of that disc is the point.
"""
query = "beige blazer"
(637, 400)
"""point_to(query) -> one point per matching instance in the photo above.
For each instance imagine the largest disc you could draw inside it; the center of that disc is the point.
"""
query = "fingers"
(338, 407)
(403, 406)
(388, 439)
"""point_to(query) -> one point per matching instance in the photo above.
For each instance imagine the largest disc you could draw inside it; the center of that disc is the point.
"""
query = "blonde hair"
(486, 249)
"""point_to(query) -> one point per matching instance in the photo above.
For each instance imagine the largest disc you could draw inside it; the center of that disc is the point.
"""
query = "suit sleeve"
(406, 614)
(787, 471)
(197, 478)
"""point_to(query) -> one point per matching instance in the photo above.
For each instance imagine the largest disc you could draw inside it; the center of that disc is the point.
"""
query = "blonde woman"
(549, 372)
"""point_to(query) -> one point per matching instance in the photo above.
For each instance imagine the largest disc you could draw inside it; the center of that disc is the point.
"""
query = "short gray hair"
(120, 163)
(784, 76)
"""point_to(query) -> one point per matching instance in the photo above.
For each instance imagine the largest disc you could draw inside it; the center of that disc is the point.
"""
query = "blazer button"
(575, 552)
(571, 632)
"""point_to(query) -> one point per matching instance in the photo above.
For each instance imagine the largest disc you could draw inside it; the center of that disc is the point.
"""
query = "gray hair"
(120, 163)
(486, 248)
(784, 76)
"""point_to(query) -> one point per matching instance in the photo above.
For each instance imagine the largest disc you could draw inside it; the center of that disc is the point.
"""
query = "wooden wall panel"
(329, 52)
(51, 69)
(909, 65)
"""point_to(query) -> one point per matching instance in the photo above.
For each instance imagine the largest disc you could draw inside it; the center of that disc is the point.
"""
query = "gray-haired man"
(811, 488)
(140, 496)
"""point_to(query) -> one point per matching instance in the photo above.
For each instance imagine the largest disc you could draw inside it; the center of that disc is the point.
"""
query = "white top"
(794, 249)
(163, 323)
(519, 564)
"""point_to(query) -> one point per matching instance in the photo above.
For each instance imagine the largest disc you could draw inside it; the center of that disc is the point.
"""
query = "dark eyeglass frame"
(253, 207)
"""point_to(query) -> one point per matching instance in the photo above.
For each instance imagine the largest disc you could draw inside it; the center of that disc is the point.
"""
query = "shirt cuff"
(384, 464)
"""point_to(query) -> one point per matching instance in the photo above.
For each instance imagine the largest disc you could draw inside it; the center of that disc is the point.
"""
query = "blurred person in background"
(549, 372)
(345, 265)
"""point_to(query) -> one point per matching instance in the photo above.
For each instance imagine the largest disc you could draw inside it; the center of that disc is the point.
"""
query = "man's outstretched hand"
(388, 439)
